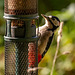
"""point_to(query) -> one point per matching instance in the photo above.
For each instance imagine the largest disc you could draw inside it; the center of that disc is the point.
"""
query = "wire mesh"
(9, 59)
(16, 58)
(19, 57)
(20, 7)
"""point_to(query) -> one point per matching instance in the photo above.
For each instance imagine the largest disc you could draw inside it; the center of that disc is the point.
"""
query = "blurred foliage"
(52, 5)
(65, 64)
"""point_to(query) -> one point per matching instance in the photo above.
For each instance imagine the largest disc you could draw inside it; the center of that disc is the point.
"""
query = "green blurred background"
(65, 10)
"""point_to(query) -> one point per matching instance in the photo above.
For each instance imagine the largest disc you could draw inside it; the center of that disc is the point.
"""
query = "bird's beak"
(44, 16)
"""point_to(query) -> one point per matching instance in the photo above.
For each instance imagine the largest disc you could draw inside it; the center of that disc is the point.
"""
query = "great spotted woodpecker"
(46, 34)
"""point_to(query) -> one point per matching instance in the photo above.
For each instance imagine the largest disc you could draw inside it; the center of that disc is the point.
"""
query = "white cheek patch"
(58, 24)
(55, 22)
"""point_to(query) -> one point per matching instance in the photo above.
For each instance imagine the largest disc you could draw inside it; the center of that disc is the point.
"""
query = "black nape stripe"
(56, 18)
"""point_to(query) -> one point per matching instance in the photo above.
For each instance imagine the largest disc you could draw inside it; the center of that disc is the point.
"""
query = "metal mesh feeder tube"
(20, 39)
(22, 7)
(19, 57)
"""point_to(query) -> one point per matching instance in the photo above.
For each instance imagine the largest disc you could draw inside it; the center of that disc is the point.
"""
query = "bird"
(46, 34)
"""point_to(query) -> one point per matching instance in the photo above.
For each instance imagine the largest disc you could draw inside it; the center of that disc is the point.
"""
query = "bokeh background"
(65, 10)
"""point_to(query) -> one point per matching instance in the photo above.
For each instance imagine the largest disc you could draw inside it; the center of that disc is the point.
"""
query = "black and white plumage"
(46, 34)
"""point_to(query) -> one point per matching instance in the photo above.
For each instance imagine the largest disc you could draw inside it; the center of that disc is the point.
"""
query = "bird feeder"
(20, 39)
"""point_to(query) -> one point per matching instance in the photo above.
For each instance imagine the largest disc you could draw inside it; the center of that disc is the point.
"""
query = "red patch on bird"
(39, 57)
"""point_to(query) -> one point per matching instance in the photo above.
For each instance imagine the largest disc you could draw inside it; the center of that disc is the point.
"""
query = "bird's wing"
(48, 45)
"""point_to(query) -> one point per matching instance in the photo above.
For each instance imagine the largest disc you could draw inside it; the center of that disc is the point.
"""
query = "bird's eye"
(53, 18)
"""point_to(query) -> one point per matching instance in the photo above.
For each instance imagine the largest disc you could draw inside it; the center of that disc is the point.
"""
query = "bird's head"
(51, 21)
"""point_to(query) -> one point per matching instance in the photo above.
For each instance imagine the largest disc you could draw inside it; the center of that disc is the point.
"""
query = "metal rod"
(8, 28)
